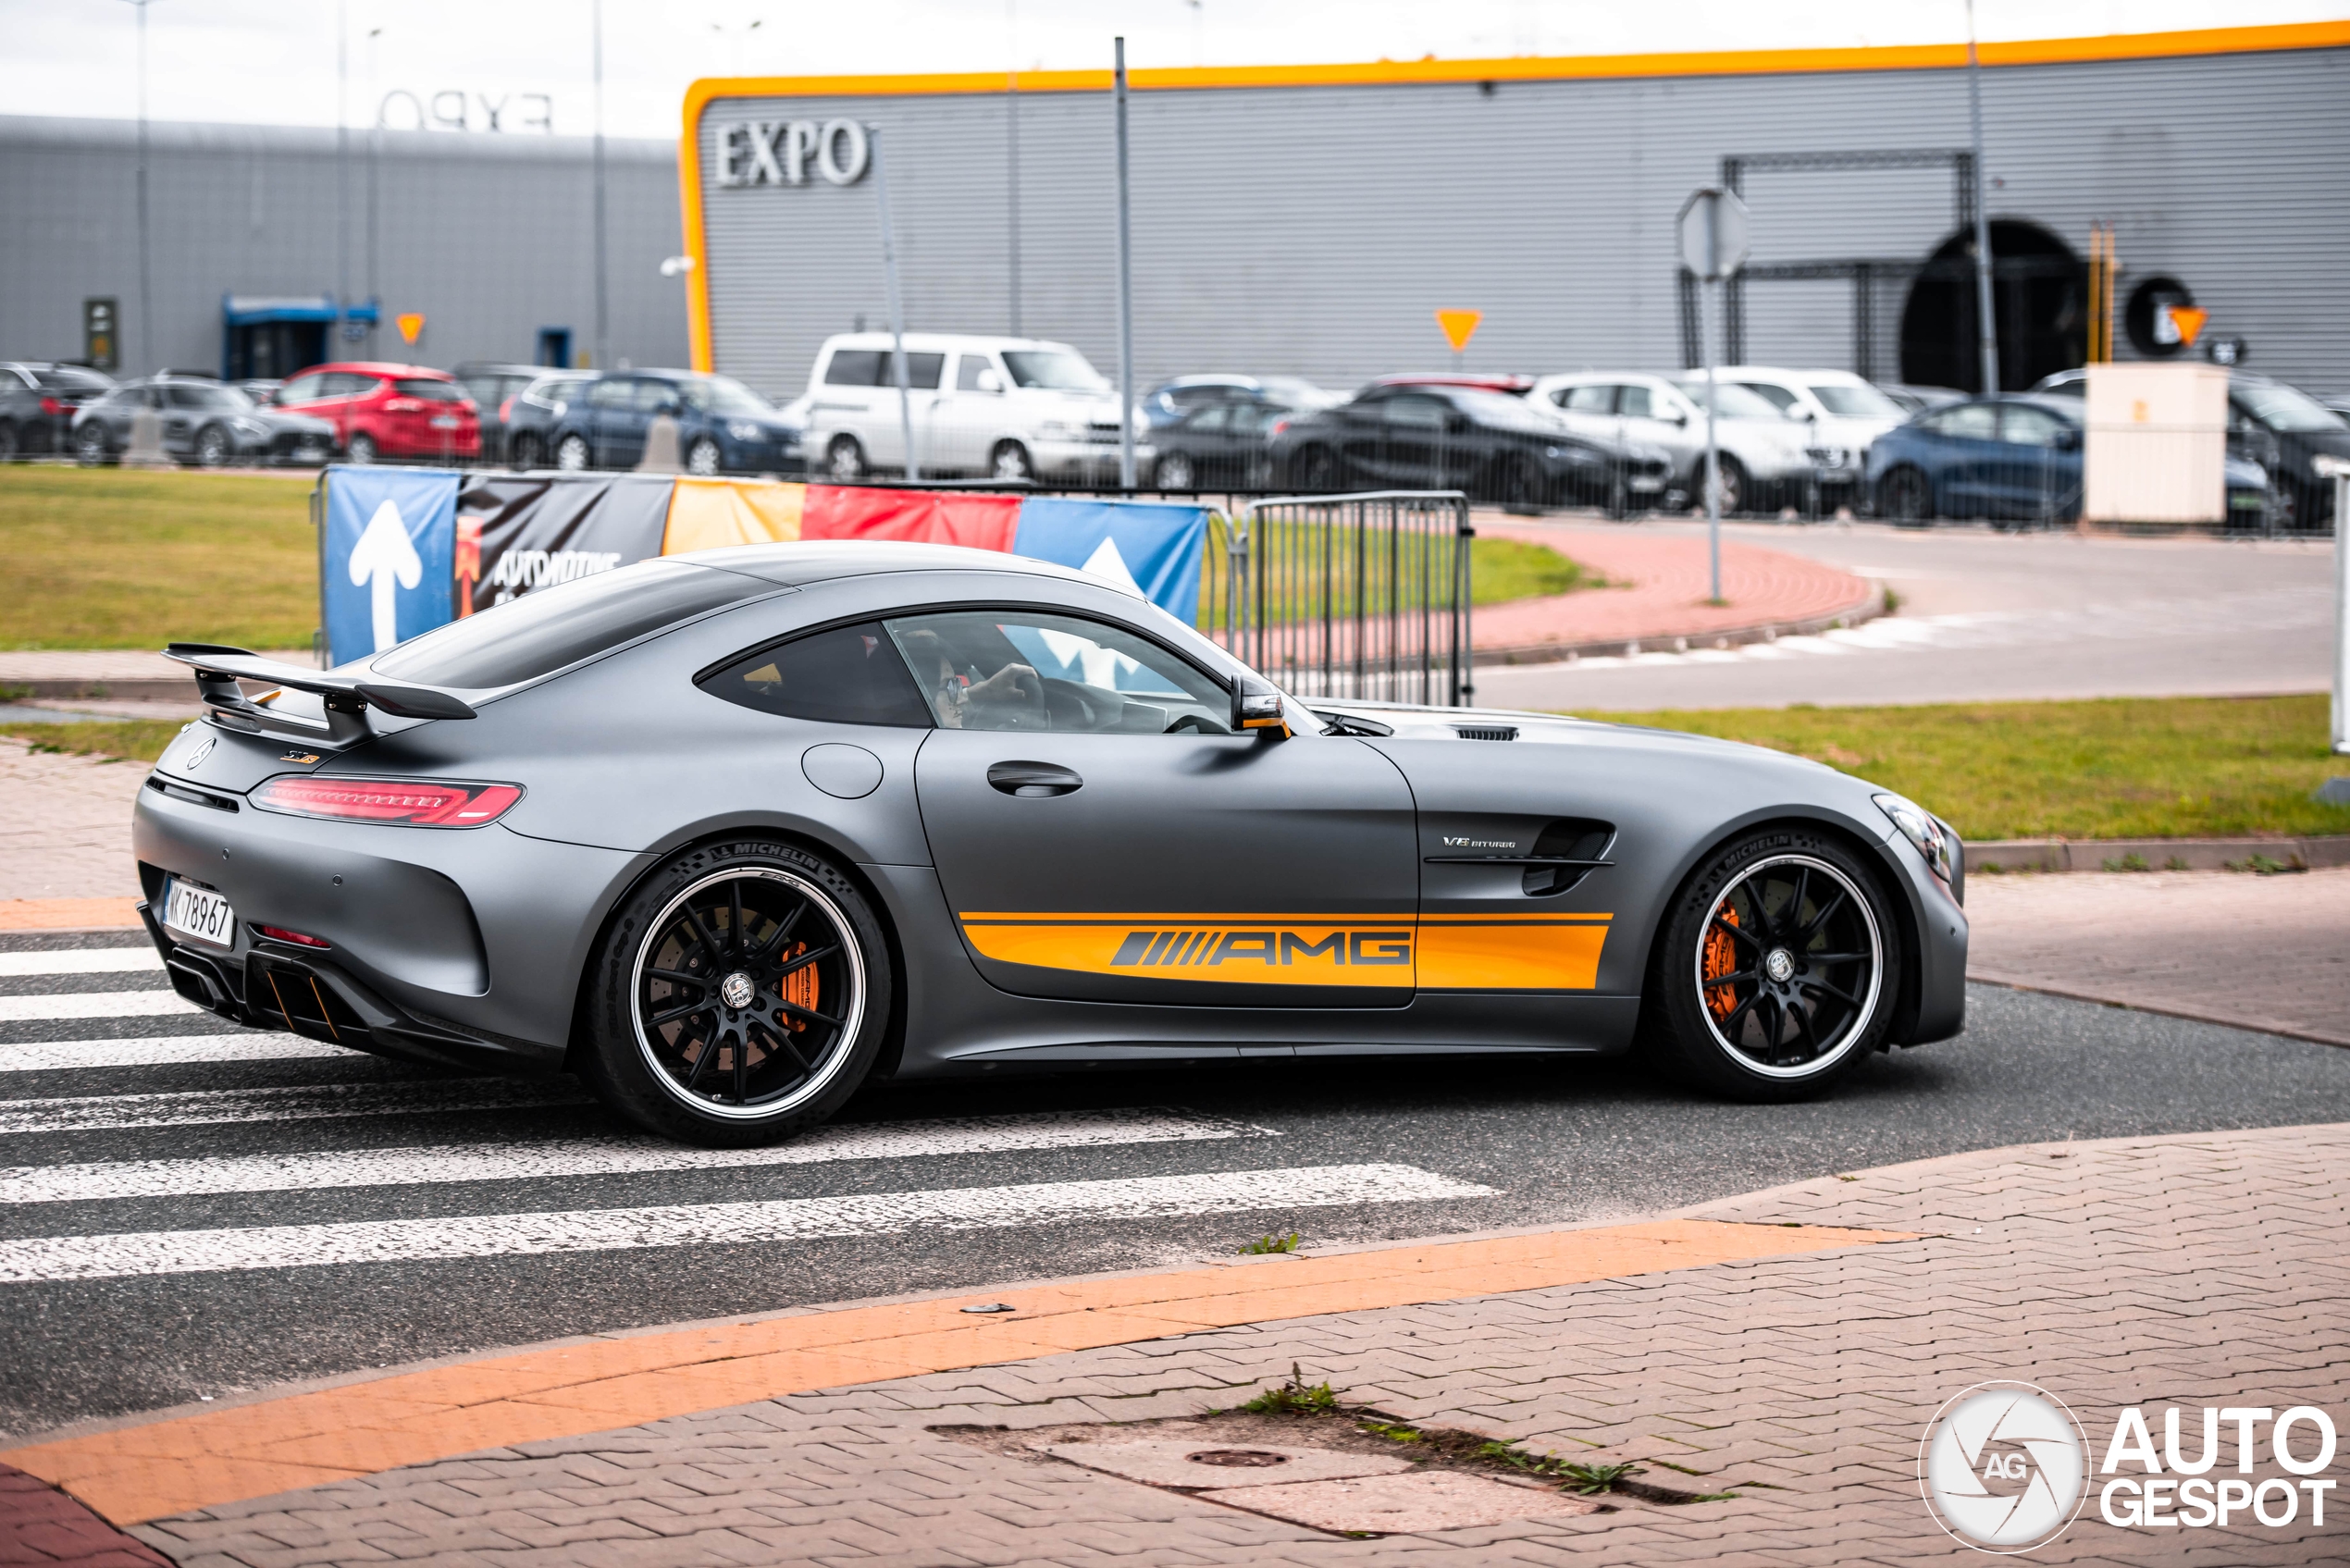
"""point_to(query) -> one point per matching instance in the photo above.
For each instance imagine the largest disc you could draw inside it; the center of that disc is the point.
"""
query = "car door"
(2038, 475)
(1414, 427)
(1967, 456)
(1099, 836)
(1653, 416)
(182, 412)
(609, 419)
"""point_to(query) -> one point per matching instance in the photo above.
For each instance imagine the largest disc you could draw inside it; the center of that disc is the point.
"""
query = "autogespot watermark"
(2005, 1467)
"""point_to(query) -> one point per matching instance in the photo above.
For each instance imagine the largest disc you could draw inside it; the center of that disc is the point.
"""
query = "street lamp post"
(1986, 325)
(603, 320)
(146, 295)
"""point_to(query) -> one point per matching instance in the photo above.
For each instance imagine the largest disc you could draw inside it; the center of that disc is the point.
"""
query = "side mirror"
(2068, 439)
(989, 382)
(1679, 416)
(1256, 707)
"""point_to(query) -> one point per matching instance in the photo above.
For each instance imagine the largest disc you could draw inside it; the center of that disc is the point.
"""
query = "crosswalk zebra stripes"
(61, 1157)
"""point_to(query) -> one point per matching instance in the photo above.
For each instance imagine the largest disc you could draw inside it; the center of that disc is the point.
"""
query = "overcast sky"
(275, 60)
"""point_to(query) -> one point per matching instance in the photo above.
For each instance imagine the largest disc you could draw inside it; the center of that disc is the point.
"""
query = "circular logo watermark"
(2004, 1466)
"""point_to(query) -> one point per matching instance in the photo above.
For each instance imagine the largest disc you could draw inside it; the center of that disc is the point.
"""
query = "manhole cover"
(1239, 1459)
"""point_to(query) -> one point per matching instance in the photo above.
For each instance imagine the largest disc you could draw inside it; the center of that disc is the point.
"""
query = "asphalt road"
(174, 1258)
(1987, 617)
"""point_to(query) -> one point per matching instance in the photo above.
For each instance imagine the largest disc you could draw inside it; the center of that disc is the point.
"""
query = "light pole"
(1986, 325)
(374, 180)
(342, 170)
(146, 296)
(1011, 160)
(603, 322)
(1125, 290)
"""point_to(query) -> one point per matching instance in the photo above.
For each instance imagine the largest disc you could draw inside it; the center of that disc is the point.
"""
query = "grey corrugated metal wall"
(1316, 230)
(490, 236)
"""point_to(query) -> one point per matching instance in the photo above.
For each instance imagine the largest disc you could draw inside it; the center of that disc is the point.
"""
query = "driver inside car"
(1000, 701)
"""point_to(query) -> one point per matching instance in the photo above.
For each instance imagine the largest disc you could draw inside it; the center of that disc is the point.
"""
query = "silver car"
(1764, 462)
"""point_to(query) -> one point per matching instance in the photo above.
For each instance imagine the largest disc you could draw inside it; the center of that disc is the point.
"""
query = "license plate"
(198, 914)
(445, 422)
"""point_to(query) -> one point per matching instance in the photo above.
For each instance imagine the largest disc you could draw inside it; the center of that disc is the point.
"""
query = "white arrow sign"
(1108, 561)
(384, 556)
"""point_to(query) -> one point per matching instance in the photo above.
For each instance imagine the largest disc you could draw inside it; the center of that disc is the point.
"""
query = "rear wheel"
(1776, 971)
(1316, 469)
(90, 444)
(363, 448)
(845, 460)
(1522, 487)
(572, 454)
(523, 451)
(1010, 460)
(740, 996)
(1174, 472)
(1736, 491)
(8, 444)
(1905, 499)
(702, 459)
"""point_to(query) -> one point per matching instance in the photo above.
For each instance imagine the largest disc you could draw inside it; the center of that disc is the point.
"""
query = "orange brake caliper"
(1720, 959)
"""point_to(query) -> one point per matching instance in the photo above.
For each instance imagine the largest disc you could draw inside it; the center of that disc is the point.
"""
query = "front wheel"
(740, 996)
(845, 460)
(1315, 469)
(91, 447)
(1905, 499)
(572, 454)
(362, 449)
(1776, 971)
(702, 459)
(1174, 472)
(1010, 461)
(522, 452)
(213, 448)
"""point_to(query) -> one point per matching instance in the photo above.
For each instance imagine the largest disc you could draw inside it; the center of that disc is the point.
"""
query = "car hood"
(300, 423)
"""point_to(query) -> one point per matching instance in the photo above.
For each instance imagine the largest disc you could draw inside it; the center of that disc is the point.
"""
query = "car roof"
(822, 559)
(380, 367)
(1493, 383)
(498, 367)
(938, 341)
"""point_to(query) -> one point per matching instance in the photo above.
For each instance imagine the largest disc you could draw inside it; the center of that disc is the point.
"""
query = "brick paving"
(66, 832)
(1665, 599)
(2270, 953)
(2198, 1270)
(40, 1525)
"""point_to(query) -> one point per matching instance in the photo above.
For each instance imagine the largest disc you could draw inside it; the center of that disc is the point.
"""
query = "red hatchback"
(388, 410)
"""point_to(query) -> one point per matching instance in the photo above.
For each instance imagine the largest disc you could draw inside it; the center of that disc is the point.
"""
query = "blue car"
(722, 426)
(2011, 460)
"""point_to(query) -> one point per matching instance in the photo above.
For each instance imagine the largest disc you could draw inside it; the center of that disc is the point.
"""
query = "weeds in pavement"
(1293, 1398)
(2133, 861)
(2261, 866)
(1265, 1244)
(1394, 1432)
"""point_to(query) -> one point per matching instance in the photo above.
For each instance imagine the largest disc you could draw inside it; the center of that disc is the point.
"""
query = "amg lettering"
(1364, 948)
(1240, 945)
(1131, 950)
(1332, 946)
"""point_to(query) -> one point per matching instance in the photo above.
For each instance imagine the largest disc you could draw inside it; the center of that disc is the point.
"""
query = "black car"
(1222, 445)
(1496, 447)
(722, 426)
(1172, 400)
(492, 386)
(204, 423)
(38, 401)
(529, 420)
(2301, 442)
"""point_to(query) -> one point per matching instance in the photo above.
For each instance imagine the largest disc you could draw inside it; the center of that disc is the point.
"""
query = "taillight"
(401, 802)
(55, 406)
(506, 411)
(279, 934)
(1280, 426)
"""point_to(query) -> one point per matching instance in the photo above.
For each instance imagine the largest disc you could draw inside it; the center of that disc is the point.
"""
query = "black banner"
(516, 533)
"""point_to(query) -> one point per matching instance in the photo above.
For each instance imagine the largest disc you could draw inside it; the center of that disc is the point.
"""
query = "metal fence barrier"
(1363, 596)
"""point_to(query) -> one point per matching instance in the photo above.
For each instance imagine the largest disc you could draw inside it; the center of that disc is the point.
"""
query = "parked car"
(529, 417)
(38, 401)
(206, 422)
(1496, 447)
(722, 426)
(1008, 408)
(262, 390)
(1763, 457)
(1916, 400)
(491, 385)
(2302, 443)
(1172, 400)
(1219, 445)
(1516, 385)
(1842, 413)
(2008, 460)
(380, 411)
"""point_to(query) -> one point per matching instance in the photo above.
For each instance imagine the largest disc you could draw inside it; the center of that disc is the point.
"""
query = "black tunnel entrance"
(2038, 294)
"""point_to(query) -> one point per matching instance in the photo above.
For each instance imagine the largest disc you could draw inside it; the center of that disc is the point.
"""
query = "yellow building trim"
(1431, 72)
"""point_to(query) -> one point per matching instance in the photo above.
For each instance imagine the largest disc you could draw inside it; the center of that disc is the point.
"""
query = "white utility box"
(2157, 444)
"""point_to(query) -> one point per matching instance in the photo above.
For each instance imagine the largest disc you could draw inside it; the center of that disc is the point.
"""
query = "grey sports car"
(730, 833)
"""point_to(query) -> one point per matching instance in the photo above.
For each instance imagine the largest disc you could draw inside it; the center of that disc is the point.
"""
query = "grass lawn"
(106, 558)
(2127, 768)
(142, 739)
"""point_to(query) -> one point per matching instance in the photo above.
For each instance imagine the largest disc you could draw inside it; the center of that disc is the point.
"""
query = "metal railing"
(1363, 596)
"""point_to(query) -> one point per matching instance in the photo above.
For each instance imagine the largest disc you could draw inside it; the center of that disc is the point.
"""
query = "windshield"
(723, 394)
(1493, 408)
(553, 391)
(1736, 402)
(1295, 390)
(65, 379)
(1848, 399)
(1053, 370)
(2285, 408)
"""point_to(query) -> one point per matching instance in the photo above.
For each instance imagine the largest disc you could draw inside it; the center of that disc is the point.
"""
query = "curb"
(1866, 607)
(2158, 853)
(2160, 1009)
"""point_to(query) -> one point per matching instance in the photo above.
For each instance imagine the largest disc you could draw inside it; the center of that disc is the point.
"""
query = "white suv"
(1003, 408)
(1764, 465)
(1845, 415)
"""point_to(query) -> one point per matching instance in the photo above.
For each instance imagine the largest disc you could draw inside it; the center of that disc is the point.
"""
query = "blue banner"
(389, 557)
(1155, 547)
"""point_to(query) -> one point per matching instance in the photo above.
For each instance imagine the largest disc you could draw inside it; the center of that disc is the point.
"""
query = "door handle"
(1033, 779)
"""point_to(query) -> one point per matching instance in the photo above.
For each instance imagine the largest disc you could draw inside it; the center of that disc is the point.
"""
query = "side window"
(967, 372)
(854, 367)
(1779, 397)
(2029, 427)
(1023, 670)
(1633, 404)
(921, 372)
(1417, 413)
(304, 389)
(1589, 398)
(1972, 422)
(849, 675)
(1214, 417)
(653, 397)
(609, 394)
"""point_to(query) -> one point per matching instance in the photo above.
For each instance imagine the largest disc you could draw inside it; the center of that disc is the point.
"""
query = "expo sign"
(759, 152)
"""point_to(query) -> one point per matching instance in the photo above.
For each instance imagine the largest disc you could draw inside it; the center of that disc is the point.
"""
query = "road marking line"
(81, 960)
(196, 1107)
(95, 1004)
(602, 1156)
(162, 1049)
(52, 1258)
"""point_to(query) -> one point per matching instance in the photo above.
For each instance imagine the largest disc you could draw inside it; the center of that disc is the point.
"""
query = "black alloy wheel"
(1736, 492)
(1523, 489)
(572, 454)
(1317, 470)
(1010, 460)
(1174, 472)
(91, 447)
(1776, 970)
(702, 459)
(214, 449)
(845, 460)
(1905, 498)
(523, 451)
(740, 996)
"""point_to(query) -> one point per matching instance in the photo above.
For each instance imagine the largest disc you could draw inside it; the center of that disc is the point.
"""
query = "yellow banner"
(708, 513)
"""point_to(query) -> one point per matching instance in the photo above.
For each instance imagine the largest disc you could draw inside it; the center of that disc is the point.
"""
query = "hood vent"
(1486, 732)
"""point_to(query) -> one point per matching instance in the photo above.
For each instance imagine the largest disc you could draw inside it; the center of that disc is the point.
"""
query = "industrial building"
(270, 247)
(1313, 220)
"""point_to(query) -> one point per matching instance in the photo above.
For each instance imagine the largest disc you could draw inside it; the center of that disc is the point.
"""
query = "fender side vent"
(1486, 732)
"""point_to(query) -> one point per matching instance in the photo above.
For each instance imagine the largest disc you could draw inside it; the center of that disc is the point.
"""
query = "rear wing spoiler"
(347, 697)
